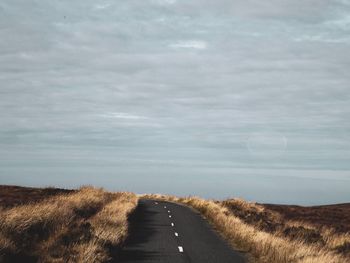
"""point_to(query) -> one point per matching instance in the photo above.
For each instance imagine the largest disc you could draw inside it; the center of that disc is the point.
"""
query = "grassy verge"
(275, 245)
(79, 226)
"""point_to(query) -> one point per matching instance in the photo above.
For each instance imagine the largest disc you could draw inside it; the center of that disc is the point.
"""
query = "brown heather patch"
(75, 226)
(266, 236)
(11, 195)
(336, 217)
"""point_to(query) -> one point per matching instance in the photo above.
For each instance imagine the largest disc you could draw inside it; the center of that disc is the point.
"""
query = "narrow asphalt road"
(170, 233)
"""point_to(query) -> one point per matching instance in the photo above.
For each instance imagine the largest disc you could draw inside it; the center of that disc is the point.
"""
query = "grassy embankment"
(55, 225)
(64, 226)
(267, 236)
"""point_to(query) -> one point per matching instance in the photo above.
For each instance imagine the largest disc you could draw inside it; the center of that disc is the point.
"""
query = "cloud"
(341, 23)
(165, 2)
(185, 82)
(322, 38)
(121, 115)
(103, 6)
(192, 44)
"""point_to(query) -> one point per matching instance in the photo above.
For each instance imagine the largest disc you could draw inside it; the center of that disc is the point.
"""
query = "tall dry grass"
(109, 226)
(73, 227)
(273, 222)
(261, 245)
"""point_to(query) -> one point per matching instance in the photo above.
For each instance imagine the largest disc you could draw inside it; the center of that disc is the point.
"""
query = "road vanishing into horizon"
(172, 233)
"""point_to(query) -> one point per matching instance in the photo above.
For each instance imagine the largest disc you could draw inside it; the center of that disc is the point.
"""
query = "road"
(172, 233)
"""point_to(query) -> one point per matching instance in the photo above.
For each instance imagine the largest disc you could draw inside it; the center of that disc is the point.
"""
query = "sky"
(226, 98)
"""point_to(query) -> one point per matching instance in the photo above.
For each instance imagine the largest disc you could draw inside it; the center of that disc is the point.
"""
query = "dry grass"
(79, 226)
(83, 226)
(264, 235)
(12, 195)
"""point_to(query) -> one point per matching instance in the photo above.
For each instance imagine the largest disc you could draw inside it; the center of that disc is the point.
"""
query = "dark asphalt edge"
(114, 250)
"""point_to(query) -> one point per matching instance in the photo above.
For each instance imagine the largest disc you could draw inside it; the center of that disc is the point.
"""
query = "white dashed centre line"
(176, 234)
(168, 211)
(169, 216)
(164, 206)
(172, 224)
(181, 249)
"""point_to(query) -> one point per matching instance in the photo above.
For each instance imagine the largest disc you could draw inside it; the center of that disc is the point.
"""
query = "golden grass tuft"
(79, 226)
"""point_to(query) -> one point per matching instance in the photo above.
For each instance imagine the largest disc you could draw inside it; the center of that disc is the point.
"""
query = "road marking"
(164, 206)
(181, 249)
(168, 211)
(156, 203)
(176, 234)
(169, 216)
(172, 224)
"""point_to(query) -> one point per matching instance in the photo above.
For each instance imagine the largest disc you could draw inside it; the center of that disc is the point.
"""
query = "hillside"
(90, 224)
(55, 225)
(335, 216)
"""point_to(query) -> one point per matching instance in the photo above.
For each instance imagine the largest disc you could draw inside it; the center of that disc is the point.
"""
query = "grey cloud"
(175, 82)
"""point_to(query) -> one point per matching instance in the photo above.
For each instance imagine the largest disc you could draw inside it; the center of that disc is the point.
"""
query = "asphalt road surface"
(171, 233)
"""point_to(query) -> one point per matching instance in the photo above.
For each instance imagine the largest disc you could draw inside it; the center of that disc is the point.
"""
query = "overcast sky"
(232, 97)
